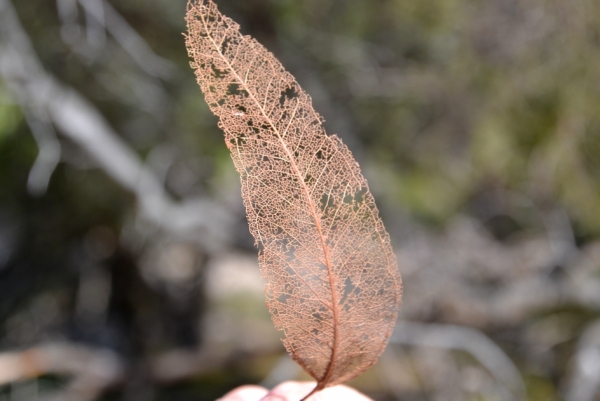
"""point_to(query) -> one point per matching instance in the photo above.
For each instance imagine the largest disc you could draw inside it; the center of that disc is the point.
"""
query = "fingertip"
(245, 393)
(293, 391)
(290, 390)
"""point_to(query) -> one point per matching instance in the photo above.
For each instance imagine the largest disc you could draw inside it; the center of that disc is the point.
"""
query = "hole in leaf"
(288, 94)
(283, 298)
(348, 288)
(234, 89)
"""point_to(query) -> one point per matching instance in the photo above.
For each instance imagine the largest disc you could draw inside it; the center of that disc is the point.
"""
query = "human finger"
(245, 393)
(295, 391)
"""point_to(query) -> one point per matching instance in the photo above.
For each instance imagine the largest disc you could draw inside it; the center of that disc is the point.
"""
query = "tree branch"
(80, 121)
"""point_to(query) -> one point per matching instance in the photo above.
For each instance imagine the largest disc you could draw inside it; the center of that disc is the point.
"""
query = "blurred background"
(127, 271)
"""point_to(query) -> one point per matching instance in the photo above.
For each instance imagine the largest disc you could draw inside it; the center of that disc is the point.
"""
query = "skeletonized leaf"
(333, 283)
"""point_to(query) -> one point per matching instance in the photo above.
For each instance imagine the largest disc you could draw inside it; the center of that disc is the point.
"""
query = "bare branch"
(49, 153)
(129, 39)
(68, 14)
(93, 370)
(81, 122)
(466, 339)
(585, 381)
(95, 19)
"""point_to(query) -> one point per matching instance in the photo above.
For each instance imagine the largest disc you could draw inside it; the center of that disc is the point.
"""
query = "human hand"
(293, 391)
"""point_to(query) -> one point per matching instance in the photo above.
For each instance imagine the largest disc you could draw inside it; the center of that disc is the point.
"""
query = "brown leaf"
(333, 283)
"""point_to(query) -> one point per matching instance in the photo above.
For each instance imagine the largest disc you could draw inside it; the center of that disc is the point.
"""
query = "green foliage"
(541, 389)
(10, 116)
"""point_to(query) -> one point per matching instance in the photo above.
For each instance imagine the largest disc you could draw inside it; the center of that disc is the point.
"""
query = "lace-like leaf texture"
(333, 283)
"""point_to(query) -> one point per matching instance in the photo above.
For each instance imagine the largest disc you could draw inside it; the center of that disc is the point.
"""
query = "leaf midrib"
(332, 281)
